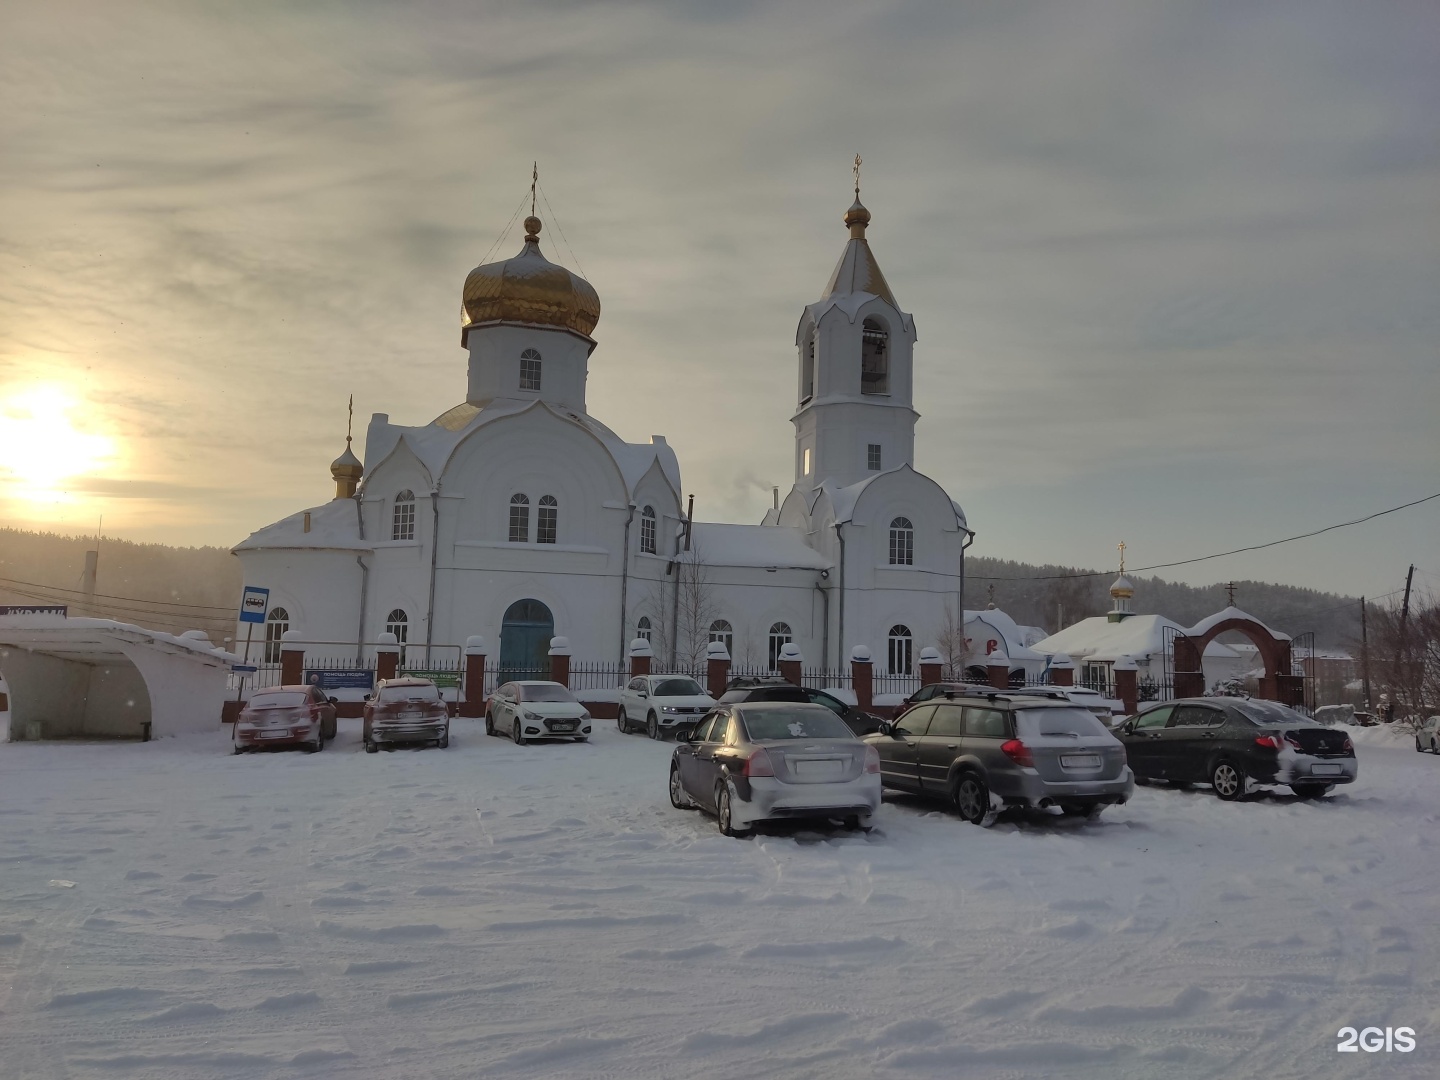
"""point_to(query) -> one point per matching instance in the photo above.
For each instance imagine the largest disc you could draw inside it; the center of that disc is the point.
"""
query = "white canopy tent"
(96, 678)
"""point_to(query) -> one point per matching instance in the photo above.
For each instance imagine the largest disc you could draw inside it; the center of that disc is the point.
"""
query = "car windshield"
(410, 693)
(678, 688)
(1057, 722)
(286, 700)
(545, 692)
(773, 724)
(1271, 713)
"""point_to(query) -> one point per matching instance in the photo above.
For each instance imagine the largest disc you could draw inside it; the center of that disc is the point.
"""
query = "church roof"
(857, 278)
(772, 546)
(335, 526)
(1098, 638)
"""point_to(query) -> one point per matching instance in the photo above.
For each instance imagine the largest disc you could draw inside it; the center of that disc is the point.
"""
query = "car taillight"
(1349, 746)
(872, 760)
(1017, 752)
(1267, 742)
(758, 764)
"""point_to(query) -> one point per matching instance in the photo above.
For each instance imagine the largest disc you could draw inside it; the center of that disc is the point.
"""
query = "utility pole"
(1402, 679)
(1364, 652)
(1405, 607)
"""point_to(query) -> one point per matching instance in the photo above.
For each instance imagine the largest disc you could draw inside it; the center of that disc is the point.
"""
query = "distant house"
(990, 631)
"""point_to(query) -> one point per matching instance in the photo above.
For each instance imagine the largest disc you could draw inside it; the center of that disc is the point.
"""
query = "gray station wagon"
(983, 753)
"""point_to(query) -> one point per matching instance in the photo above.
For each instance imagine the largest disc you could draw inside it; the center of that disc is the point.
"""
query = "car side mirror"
(643, 693)
(886, 728)
(1128, 728)
(367, 697)
(334, 700)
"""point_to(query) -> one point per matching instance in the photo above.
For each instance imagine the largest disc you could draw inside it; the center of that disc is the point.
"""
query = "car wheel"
(317, 745)
(678, 798)
(1311, 791)
(722, 814)
(489, 722)
(517, 734)
(1418, 748)
(972, 800)
(444, 741)
(652, 727)
(235, 749)
(1228, 780)
(372, 748)
(622, 723)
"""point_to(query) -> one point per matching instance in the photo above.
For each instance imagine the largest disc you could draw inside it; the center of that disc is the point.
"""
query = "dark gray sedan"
(767, 760)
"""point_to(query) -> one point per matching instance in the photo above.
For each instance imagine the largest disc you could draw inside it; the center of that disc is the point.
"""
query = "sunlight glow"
(41, 448)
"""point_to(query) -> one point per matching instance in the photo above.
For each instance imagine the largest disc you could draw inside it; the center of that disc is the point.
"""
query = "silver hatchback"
(983, 753)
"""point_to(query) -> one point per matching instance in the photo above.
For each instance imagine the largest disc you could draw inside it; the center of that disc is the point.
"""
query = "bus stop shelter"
(96, 678)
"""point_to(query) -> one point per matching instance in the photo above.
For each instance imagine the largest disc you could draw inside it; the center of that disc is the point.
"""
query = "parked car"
(930, 691)
(986, 751)
(536, 710)
(1091, 700)
(1332, 715)
(285, 716)
(660, 704)
(406, 710)
(774, 688)
(765, 760)
(1427, 736)
(1234, 744)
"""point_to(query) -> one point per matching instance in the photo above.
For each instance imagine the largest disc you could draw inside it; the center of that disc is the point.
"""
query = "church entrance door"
(525, 641)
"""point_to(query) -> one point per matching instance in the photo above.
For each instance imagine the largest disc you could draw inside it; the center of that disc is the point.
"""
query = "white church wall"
(495, 353)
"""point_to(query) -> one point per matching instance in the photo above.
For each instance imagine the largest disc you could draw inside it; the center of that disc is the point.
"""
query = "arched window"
(723, 632)
(647, 530)
(402, 520)
(547, 517)
(519, 519)
(398, 623)
(530, 370)
(900, 650)
(874, 358)
(276, 623)
(807, 368)
(642, 628)
(779, 635)
(902, 542)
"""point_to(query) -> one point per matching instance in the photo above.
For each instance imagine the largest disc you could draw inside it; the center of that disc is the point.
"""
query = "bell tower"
(854, 415)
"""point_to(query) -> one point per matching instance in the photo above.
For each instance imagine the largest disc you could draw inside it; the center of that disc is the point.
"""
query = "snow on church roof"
(435, 442)
(1206, 624)
(334, 526)
(1098, 638)
(777, 546)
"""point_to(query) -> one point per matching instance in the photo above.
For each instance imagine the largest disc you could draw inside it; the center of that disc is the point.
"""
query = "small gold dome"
(857, 217)
(1123, 588)
(347, 472)
(529, 289)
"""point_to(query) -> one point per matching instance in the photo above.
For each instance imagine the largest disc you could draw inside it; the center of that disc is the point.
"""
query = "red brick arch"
(1279, 683)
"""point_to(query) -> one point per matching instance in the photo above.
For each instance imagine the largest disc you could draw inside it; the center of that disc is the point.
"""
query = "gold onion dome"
(529, 289)
(857, 217)
(347, 466)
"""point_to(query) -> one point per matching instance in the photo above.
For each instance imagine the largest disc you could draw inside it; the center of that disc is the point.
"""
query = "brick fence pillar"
(292, 659)
(387, 656)
(1062, 670)
(997, 665)
(560, 660)
(640, 656)
(1126, 674)
(862, 678)
(472, 693)
(790, 662)
(932, 668)
(717, 668)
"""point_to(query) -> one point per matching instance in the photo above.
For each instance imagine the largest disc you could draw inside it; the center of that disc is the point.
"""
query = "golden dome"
(347, 472)
(857, 217)
(529, 289)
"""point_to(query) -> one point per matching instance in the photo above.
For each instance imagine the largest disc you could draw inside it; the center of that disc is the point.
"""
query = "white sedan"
(536, 710)
(658, 704)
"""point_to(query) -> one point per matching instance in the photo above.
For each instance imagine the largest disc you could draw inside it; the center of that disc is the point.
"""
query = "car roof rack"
(991, 693)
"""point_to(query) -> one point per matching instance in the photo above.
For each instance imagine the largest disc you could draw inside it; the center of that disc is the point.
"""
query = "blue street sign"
(254, 603)
(244, 669)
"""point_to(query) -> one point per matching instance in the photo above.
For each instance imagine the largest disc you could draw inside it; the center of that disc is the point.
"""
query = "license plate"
(817, 768)
(1324, 770)
(567, 726)
(274, 734)
(1080, 761)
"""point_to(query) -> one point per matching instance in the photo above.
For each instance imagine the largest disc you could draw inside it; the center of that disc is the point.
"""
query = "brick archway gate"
(1279, 682)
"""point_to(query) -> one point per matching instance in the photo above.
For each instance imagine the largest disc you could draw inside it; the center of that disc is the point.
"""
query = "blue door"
(525, 641)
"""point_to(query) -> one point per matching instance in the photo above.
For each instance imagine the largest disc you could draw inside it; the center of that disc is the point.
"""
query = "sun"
(40, 446)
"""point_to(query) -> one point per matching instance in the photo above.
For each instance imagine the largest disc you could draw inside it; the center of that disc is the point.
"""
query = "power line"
(556, 218)
(110, 596)
(1217, 555)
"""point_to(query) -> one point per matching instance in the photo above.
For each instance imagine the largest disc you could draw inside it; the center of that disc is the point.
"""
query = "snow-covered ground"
(499, 911)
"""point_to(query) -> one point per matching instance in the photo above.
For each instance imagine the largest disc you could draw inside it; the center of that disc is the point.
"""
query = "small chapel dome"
(529, 289)
(347, 472)
(1123, 587)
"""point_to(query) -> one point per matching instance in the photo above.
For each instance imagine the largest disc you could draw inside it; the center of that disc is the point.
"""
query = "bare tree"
(953, 646)
(682, 606)
(1405, 656)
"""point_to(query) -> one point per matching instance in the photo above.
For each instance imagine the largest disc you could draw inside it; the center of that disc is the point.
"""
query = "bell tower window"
(872, 457)
(902, 542)
(647, 530)
(874, 358)
(519, 519)
(807, 369)
(530, 370)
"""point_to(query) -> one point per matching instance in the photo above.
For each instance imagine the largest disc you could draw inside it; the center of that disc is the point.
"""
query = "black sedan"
(1234, 744)
(771, 688)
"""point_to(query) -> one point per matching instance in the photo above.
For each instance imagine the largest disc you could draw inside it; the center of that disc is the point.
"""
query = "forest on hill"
(180, 588)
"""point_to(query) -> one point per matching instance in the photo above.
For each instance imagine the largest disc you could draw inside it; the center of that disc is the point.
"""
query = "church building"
(518, 516)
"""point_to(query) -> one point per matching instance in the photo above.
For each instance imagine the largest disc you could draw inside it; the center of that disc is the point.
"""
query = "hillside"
(172, 588)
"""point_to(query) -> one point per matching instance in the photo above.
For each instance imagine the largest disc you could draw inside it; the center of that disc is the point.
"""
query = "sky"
(1174, 267)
